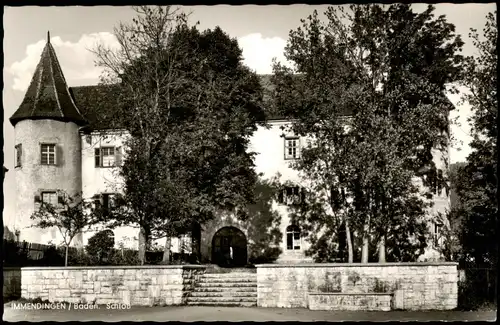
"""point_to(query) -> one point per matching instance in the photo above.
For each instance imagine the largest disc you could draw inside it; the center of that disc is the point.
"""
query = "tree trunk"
(167, 250)
(66, 256)
(381, 249)
(365, 250)
(143, 237)
(196, 243)
(350, 250)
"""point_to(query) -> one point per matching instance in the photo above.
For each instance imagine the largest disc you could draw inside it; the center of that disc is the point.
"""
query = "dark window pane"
(289, 241)
(97, 157)
(296, 235)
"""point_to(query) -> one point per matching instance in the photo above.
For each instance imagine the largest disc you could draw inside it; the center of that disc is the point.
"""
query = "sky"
(262, 33)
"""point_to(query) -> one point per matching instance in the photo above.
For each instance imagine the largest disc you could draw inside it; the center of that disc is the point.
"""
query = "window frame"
(99, 156)
(49, 192)
(288, 139)
(48, 153)
(102, 198)
(292, 232)
(436, 235)
(19, 155)
(296, 197)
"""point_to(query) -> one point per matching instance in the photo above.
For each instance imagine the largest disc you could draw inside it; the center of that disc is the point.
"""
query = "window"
(19, 155)
(292, 148)
(105, 201)
(108, 201)
(48, 154)
(291, 195)
(107, 157)
(292, 237)
(49, 198)
(437, 233)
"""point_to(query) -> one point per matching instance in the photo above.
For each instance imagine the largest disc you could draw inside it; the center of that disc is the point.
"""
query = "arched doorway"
(222, 242)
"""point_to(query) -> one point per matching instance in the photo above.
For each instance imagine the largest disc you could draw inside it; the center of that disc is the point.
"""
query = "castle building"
(60, 145)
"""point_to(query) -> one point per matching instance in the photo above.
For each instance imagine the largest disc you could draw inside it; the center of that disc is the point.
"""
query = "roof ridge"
(39, 82)
(63, 77)
(52, 77)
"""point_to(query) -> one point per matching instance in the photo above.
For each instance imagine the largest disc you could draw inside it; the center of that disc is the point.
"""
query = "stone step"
(227, 280)
(250, 294)
(227, 284)
(224, 304)
(230, 275)
(222, 299)
(225, 289)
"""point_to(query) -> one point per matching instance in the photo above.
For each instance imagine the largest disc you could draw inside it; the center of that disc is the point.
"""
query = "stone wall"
(131, 285)
(415, 286)
(11, 282)
(354, 301)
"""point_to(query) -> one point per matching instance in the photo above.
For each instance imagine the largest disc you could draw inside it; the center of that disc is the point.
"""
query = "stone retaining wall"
(415, 286)
(350, 301)
(11, 282)
(132, 285)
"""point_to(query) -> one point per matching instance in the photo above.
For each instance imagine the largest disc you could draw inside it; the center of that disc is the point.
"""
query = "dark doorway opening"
(229, 239)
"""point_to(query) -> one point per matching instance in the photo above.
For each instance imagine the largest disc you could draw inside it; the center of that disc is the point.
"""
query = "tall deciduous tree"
(477, 181)
(190, 106)
(368, 87)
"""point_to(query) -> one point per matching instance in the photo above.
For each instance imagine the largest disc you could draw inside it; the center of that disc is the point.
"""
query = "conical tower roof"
(48, 96)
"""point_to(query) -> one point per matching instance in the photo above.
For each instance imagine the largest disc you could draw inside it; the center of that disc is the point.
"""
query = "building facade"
(55, 152)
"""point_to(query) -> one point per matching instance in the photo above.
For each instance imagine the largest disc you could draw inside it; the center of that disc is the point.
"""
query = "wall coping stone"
(356, 264)
(317, 293)
(11, 268)
(115, 267)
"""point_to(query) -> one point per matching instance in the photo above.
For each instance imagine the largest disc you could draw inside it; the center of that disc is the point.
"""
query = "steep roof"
(97, 104)
(48, 95)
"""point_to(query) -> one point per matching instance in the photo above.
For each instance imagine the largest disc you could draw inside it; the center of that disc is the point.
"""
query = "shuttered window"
(50, 198)
(48, 154)
(291, 195)
(107, 156)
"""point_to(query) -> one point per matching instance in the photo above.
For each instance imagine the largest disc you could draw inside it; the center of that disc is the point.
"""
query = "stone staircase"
(235, 288)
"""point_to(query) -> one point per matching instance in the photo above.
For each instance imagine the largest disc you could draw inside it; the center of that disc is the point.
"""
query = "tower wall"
(32, 177)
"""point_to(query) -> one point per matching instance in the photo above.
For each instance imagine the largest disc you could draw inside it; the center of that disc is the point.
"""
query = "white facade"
(268, 142)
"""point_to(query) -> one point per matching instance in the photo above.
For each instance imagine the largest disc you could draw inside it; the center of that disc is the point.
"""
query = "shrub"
(14, 254)
(265, 255)
(123, 257)
(100, 246)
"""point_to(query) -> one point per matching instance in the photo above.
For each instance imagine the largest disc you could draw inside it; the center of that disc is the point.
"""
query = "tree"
(101, 245)
(368, 86)
(477, 181)
(190, 106)
(71, 216)
(263, 222)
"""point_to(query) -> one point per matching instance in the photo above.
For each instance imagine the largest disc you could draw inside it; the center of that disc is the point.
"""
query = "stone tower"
(48, 146)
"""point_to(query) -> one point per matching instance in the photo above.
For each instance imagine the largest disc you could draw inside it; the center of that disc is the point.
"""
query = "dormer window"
(48, 154)
(19, 155)
(292, 148)
(107, 157)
